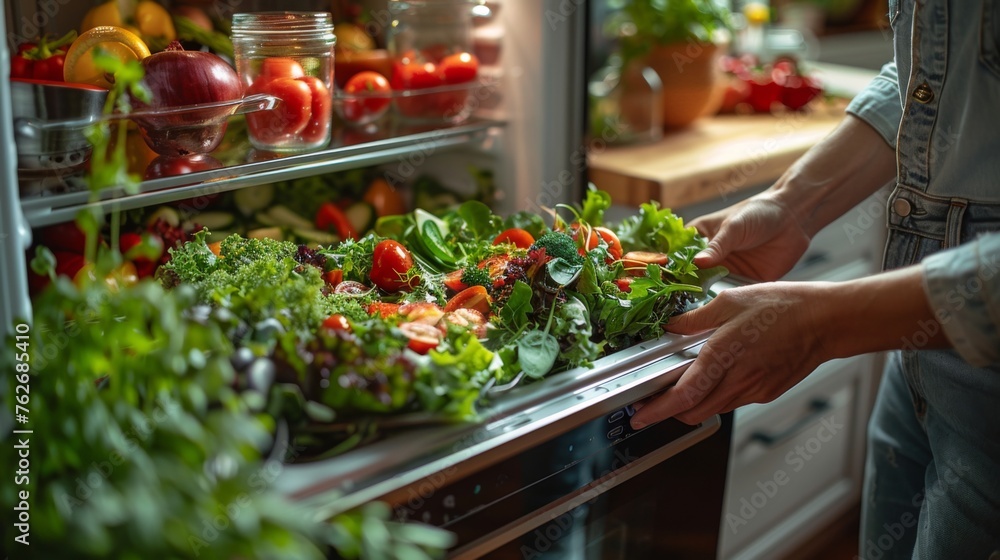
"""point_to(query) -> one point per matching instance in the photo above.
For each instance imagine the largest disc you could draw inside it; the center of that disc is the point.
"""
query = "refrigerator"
(553, 469)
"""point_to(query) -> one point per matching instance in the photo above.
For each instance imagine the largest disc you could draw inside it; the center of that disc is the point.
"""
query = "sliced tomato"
(383, 309)
(614, 245)
(350, 287)
(337, 322)
(453, 280)
(475, 297)
(459, 68)
(391, 264)
(289, 118)
(469, 319)
(321, 111)
(422, 337)
(635, 262)
(624, 284)
(585, 237)
(334, 277)
(421, 312)
(516, 236)
(331, 217)
(496, 265)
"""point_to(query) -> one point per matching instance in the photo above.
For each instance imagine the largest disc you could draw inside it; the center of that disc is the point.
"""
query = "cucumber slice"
(362, 217)
(266, 233)
(167, 214)
(312, 235)
(285, 217)
(253, 199)
(213, 220)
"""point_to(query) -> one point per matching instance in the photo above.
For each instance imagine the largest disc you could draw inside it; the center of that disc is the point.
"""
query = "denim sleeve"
(963, 286)
(879, 104)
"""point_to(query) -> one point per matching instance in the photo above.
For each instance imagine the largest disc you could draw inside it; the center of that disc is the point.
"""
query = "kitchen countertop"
(715, 157)
(723, 155)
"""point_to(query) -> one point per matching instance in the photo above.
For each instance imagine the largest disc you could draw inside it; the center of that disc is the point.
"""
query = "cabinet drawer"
(791, 458)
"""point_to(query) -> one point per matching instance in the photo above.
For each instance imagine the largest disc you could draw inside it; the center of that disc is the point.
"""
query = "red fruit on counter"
(798, 91)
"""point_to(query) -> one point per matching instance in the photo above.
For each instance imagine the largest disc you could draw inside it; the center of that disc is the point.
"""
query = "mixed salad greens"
(427, 313)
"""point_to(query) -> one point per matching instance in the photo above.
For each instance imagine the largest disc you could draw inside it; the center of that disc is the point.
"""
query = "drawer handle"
(817, 408)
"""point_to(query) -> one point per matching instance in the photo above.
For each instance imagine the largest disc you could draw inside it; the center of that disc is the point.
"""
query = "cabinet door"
(795, 463)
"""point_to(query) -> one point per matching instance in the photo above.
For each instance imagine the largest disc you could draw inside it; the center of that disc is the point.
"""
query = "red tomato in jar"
(321, 114)
(289, 118)
(279, 67)
(369, 96)
(391, 264)
(459, 68)
(422, 338)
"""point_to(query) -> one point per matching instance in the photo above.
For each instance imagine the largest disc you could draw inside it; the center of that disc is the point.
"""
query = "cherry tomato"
(435, 53)
(416, 76)
(518, 237)
(422, 337)
(286, 120)
(614, 245)
(383, 309)
(318, 127)
(635, 262)
(350, 287)
(369, 96)
(475, 297)
(334, 277)
(453, 280)
(459, 68)
(421, 312)
(279, 67)
(384, 198)
(624, 284)
(391, 264)
(578, 231)
(329, 216)
(337, 322)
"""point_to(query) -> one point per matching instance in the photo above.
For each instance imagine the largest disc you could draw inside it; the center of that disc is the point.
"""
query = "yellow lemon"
(80, 68)
(756, 13)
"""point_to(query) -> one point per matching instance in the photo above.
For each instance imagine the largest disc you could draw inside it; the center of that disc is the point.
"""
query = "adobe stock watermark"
(796, 460)
(875, 548)
(562, 13)
(741, 172)
(551, 192)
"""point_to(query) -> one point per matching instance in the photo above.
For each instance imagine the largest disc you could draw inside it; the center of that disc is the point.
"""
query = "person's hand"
(758, 238)
(768, 338)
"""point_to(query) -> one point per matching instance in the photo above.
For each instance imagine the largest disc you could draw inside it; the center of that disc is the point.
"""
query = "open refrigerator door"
(395, 396)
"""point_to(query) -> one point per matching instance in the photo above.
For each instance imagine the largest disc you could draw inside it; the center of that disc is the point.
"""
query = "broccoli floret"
(475, 276)
(558, 245)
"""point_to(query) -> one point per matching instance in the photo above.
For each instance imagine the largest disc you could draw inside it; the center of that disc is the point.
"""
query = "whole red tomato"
(391, 264)
(416, 76)
(279, 67)
(459, 68)
(289, 118)
(369, 96)
(318, 127)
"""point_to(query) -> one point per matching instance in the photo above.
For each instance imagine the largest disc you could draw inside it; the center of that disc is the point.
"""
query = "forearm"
(886, 311)
(835, 175)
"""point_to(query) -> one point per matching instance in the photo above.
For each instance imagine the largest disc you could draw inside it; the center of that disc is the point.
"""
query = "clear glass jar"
(434, 70)
(288, 55)
(625, 103)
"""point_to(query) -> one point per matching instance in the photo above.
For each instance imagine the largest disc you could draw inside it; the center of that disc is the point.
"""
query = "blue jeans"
(932, 478)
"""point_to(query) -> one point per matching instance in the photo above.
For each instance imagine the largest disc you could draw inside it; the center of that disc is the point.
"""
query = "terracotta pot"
(693, 83)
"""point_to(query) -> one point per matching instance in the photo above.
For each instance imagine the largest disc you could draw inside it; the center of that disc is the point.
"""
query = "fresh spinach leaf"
(537, 351)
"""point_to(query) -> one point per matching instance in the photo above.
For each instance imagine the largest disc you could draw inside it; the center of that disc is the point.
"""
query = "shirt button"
(923, 93)
(901, 207)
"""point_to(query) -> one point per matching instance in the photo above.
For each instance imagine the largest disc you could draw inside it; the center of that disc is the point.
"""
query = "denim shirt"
(938, 105)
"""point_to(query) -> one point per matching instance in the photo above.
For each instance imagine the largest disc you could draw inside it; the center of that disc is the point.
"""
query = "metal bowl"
(49, 123)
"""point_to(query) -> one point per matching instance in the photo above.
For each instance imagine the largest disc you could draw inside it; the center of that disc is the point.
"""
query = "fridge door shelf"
(52, 209)
(520, 418)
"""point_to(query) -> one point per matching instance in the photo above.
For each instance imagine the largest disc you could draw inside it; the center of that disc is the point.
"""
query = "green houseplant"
(682, 41)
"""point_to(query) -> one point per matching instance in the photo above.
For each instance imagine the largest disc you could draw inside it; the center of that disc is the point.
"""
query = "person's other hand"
(758, 238)
(768, 338)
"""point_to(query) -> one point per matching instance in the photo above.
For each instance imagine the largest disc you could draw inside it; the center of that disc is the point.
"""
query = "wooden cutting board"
(714, 158)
